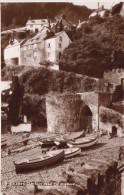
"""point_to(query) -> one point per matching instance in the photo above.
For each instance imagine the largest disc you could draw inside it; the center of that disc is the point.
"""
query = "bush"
(34, 108)
(109, 116)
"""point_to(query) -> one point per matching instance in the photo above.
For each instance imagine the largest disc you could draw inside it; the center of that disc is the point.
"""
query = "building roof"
(36, 39)
(41, 36)
(95, 13)
(16, 42)
(21, 29)
(57, 34)
(36, 22)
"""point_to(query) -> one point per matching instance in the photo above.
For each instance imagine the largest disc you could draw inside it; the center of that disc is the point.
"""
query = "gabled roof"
(36, 39)
(57, 34)
(16, 42)
(38, 21)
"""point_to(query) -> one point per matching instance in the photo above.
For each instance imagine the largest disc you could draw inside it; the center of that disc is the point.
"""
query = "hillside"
(97, 46)
(18, 13)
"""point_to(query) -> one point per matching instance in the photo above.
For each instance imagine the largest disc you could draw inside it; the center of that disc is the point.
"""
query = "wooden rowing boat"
(71, 152)
(45, 160)
(83, 142)
(68, 137)
(3, 144)
(61, 140)
(3, 140)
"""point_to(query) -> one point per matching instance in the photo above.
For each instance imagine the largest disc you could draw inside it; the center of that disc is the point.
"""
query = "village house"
(12, 51)
(44, 47)
(38, 25)
(99, 12)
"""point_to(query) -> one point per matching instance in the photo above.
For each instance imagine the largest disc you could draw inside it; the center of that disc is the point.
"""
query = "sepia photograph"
(62, 97)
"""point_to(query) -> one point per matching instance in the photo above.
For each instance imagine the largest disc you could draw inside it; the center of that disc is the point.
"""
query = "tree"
(93, 53)
(117, 8)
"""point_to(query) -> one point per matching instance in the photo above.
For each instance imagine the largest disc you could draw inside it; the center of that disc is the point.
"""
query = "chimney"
(98, 6)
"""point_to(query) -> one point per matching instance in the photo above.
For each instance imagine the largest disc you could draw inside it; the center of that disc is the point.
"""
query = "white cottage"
(38, 25)
(12, 52)
(55, 45)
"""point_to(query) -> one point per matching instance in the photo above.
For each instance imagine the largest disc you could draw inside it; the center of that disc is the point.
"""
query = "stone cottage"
(45, 46)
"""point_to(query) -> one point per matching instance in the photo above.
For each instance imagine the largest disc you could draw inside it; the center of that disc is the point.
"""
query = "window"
(49, 54)
(31, 26)
(60, 45)
(60, 55)
(60, 38)
(36, 30)
(48, 45)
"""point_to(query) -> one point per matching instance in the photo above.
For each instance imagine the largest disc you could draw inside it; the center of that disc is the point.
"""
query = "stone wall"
(32, 56)
(91, 100)
(105, 99)
(114, 76)
(63, 113)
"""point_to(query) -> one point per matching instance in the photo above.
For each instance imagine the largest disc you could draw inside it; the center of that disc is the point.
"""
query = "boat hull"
(62, 141)
(34, 165)
(86, 143)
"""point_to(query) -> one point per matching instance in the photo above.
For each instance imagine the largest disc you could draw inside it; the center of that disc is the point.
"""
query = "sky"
(92, 4)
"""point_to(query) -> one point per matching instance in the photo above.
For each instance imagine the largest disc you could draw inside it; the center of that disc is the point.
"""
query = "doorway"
(86, 118)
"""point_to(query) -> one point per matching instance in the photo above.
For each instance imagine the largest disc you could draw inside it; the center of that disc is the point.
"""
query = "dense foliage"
(99, 47)
(18, 13)
(117, 8)
(34, 108)
(110, 116)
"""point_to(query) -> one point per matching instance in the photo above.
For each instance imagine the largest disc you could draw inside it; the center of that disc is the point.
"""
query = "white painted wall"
(36, 26)
(64, 43)
(54, 48)
(50, 50)
(12, 51)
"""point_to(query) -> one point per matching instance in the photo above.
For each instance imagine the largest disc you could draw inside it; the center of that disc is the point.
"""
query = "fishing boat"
(68, 137)
(3, 144)
(45, 160)
(71, 152)
(84, 142)
(3, 140)
(61, 140)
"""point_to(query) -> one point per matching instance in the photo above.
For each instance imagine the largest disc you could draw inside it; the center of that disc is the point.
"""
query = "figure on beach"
(16, 102)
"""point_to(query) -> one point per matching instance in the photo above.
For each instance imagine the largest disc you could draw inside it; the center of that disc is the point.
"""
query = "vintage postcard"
(62, 97)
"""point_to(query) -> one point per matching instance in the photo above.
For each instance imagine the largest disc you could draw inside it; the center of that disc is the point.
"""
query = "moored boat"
(71, 152)
(83, 142)
(61, 140)
(4, 143)
(45, 160)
